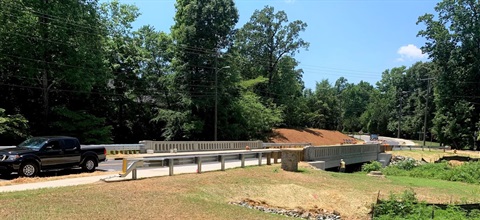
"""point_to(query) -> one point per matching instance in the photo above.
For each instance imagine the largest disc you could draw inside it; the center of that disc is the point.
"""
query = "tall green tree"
(453, 38)
(324, 106)
(13, 128)
(54, 57)
(268, 43)
(354, 101)
(202, 32)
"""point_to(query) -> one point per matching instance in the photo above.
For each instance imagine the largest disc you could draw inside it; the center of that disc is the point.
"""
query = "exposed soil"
(316, 137)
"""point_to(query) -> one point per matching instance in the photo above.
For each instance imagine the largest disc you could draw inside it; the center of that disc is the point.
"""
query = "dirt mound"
(316, 137)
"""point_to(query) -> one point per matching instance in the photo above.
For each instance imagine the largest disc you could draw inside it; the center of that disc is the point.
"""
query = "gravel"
(313, 214)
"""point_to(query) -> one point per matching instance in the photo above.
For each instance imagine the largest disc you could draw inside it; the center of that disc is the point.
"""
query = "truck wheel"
(28, 169)
(89, 164)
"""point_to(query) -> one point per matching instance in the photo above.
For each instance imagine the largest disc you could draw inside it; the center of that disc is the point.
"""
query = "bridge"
(322, 157)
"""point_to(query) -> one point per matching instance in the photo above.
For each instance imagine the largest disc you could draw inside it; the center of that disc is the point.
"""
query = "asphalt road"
(388, 140)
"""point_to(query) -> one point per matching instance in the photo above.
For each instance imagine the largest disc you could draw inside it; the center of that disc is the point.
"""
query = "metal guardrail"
(136, 163)
(281, 145)
(119, 147)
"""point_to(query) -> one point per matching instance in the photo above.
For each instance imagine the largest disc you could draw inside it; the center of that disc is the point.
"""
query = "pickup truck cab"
(49, 153)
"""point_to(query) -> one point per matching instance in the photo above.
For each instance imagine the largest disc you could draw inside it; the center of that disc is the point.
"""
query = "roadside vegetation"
(421, 174)
(406, 206)
(107, 81)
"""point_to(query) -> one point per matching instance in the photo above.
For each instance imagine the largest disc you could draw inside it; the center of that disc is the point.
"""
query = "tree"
(202, 32)
(54, 56)
(354, 101)
(267, 44)
(453, 45)
(324, 106)
(13, 128)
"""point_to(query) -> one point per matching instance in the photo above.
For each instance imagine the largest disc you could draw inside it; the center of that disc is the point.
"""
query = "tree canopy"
(81, 68)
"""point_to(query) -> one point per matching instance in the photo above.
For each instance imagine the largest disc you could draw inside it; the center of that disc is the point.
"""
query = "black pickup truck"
(49, 153)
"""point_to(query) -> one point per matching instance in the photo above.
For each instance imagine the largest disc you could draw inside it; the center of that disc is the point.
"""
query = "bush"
(372, 166)
(406, 206)
(407, 164)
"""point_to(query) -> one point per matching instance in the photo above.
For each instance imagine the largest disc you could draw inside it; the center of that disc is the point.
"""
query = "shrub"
(394, 171)
(372, 166)
(406, 206)
(407, 164)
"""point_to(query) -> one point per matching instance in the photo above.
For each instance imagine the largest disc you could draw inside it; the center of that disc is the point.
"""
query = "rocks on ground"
(315, 213)
(396, 159)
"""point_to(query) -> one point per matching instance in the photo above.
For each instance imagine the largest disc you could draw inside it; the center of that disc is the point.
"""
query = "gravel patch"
(311, 214)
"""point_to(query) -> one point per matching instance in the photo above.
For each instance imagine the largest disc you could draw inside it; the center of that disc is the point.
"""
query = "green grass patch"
(468, 172)
(407, 206)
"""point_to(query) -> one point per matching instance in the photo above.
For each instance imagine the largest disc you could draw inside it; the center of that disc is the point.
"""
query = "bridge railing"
(349, 153)
(186, 146)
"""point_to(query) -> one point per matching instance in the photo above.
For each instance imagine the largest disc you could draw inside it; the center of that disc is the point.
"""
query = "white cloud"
(410, 52)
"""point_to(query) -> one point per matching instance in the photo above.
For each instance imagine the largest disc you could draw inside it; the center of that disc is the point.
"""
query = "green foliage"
(266, 46)
(406, 206)
(354, 101)
(372, 166)
(407, 164)
(199, 77)
(468, 172)
(255, 119)
(89, 129)
(452, 43)
(13, 128)
(397, 206)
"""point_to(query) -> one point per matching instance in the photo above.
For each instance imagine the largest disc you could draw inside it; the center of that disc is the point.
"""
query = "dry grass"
(433, 155)
(206, 195)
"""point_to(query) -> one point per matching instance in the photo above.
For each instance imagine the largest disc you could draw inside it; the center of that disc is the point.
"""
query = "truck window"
(55, 145)
(70, 143)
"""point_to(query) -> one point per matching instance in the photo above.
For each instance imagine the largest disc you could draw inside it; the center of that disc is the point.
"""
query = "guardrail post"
(259, 158)
(199, 165)
(134, 174)
(170, 166)
(242, 157)
(124, 165)
(222, 162)
(275, 157)
(269, 157)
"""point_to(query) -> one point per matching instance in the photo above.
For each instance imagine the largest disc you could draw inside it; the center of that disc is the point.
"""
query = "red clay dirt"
(316, 137)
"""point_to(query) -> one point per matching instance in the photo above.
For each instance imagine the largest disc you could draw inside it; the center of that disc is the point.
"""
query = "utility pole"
(400, 113)
(426, 112)
(399, 116)
(216, 94)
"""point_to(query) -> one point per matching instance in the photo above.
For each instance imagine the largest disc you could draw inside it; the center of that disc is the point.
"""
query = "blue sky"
(354, 39)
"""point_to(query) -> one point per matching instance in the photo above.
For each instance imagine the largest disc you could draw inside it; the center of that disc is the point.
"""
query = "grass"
(206, 195)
